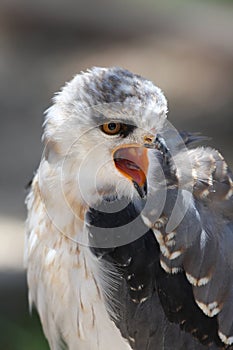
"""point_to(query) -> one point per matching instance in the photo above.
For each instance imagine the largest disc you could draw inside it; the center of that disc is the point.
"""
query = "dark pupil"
(112, 126)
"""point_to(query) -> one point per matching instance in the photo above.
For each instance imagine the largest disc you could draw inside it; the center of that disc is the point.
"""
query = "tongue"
(132, 162)
(131, 170)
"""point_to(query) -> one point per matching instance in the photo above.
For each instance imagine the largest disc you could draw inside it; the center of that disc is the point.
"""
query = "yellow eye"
(111, 128)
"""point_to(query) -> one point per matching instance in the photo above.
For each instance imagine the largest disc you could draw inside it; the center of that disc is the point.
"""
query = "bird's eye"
(111, 128)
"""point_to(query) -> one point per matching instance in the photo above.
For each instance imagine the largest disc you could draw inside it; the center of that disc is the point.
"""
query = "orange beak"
(132, 162)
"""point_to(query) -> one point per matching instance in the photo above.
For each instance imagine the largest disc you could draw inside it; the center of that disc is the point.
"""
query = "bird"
(129, 233)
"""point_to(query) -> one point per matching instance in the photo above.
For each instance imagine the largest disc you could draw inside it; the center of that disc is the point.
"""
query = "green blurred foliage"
(25, 333)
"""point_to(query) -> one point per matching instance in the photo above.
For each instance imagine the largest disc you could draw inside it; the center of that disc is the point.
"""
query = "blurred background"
(185, 47)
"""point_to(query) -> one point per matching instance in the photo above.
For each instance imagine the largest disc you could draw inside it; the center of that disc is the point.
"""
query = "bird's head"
(96, 131)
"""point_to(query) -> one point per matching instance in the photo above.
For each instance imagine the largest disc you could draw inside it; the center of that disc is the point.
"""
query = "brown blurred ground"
(184, 47)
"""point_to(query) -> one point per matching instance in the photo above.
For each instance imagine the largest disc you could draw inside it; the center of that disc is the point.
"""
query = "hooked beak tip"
(142, 190)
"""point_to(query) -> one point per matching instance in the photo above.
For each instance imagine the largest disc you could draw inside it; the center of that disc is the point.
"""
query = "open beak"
(132, 162)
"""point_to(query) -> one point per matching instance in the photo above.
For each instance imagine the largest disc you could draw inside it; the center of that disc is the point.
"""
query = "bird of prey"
(129, 242)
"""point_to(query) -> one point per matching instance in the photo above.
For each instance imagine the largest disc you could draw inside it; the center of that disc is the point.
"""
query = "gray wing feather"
(202, 244)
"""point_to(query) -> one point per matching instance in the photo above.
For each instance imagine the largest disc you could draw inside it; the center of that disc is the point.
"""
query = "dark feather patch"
(154, 307)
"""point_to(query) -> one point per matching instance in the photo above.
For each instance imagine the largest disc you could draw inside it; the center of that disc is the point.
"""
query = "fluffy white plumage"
(65, 279)
(179, 261)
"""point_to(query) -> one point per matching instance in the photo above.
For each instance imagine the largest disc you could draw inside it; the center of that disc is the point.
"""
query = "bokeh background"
(185, 47)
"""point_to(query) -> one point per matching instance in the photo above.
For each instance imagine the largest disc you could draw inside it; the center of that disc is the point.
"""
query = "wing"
(196, 286)
(150, 304)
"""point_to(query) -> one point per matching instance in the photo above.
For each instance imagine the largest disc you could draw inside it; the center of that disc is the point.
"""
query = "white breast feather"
(66, 286)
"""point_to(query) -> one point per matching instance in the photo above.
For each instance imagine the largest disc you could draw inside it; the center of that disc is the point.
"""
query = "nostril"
(148, 139)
